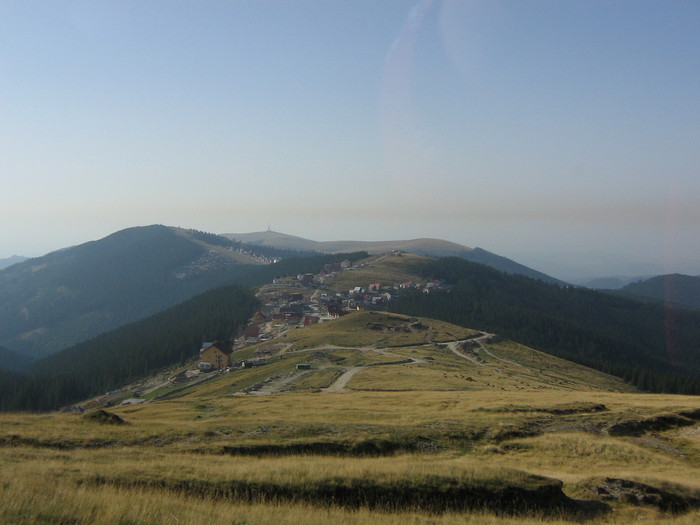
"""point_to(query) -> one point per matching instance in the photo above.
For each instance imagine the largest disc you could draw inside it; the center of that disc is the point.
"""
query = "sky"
(560, 133)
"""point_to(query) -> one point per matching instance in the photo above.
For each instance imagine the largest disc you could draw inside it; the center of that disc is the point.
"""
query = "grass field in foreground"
(268, 457)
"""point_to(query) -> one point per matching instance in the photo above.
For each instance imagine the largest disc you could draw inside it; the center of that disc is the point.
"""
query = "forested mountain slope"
(137, 349)
(10, 360)
(652, 347)
(52, 302)
(673, 289)
(9, 261)
(133, 351)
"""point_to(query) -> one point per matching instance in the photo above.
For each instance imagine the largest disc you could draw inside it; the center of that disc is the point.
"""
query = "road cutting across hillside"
(277, 385)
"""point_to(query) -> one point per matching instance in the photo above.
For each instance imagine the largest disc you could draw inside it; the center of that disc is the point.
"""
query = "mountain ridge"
(428, 246)
(673, 288)
(9, 261)
(613, 282)
(51, 302)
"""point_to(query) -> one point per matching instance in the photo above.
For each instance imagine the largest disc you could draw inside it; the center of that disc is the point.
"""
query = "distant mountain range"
(610, 283)
(674, 289)
(9, 261)
(424, 246)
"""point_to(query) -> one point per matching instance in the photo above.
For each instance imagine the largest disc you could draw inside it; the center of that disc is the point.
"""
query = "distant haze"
(563, 260)
(562, 135)
(4, 263)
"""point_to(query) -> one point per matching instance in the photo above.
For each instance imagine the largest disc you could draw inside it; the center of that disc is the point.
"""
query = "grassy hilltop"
(396, 419)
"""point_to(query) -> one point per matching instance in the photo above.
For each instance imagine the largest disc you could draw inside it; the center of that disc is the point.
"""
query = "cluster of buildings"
(303, 300)
(257, 256)
(376, 293)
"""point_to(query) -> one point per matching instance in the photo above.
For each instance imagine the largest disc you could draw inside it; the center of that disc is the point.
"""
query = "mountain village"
(288, 303)
(296, 301)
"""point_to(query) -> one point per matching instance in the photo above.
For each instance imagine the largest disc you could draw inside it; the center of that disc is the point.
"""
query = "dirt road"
(340, 383)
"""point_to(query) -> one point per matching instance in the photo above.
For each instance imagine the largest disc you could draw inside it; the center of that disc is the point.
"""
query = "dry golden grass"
(318, 379)
(575, 456)
(44, 486)
(35, 500)
(47, 461)
(32, 498)
(389, 271)
(352, 331)
(406, 377)
(196, 414)
(546, 371)
(346, 343)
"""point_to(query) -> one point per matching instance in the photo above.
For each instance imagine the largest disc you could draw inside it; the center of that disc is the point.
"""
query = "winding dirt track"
(340, 384)
(453, 347)
(487, 352)
(342, 381)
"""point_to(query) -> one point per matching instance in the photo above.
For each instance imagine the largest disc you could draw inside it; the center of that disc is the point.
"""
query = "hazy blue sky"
(562, 133)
